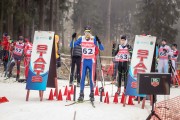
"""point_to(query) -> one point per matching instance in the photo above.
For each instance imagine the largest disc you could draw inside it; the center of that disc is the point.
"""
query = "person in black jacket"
(76, 54)
(123, 56)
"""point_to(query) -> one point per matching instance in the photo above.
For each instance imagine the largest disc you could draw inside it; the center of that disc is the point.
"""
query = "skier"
(76, 54)
(17, 56)
(174, 56)
(88, 44)
(6, 49)
(163, 54)
(27, 56)
(123, 56)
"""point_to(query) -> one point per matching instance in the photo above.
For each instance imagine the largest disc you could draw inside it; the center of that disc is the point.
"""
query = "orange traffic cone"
(51, 95)
(68, 96)
(106, 100)
(66, 91)
(72, 89)
(96, 91)
(55, 92)
(60, 98)
(3, 99)
(130, 101)
(115, 98)
(122, 98)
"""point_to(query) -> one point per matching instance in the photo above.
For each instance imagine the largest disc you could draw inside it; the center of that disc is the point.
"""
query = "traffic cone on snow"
(130, 101)
(96, 91)
(60, 98)
(68, 96)
(72, 89)
(115, 98)
(3, 99)
(55, 92)
(106, 100)
(122, 98)
(66, 91)
(51, 95)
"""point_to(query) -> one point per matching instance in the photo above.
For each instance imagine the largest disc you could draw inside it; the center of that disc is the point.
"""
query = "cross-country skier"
(88, 44)
(174, 55)
(6, 49)
(17, 56)
(27, 56)
(123, 56)
(163, 54)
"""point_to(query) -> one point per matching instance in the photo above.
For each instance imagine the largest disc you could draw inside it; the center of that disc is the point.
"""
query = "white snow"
(18, 109)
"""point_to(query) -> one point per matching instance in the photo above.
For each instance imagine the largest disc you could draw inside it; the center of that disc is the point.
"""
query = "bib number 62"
(87, 51)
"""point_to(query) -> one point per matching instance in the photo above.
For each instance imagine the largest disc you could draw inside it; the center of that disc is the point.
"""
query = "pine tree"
(157, 17)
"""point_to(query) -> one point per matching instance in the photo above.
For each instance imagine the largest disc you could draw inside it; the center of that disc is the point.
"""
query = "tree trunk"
(56, 17)
(10, 21)
(62, 31)
(41, 14)
(51, 16)
(2, 15)
(109, 21)
(26, 5)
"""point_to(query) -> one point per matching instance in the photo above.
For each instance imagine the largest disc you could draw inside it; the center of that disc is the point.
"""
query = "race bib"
(18, 50)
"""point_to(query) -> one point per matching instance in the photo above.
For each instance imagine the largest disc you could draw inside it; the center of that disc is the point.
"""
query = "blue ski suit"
(88, 59)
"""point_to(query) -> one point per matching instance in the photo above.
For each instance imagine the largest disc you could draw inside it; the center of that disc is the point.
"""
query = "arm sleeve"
(116, 51)
(101, 47)
(77, 42)
(130, 50)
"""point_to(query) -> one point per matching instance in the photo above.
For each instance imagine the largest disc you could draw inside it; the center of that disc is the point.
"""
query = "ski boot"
(91, 96)
(118, 91)
(70, 84)
(78, 84)
(81, 97)
(9, 74)
(17, 78)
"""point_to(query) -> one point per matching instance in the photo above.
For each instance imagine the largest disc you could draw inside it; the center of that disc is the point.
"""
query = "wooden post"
(124, 104)
(56, 87)
(143, 102)
(27, 95)
(138, 99)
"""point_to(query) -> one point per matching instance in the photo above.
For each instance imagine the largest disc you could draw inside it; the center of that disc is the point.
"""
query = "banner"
(141, 61)
(40, 60)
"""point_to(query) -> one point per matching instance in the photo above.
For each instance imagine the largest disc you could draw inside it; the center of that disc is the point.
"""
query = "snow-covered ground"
(18, 109)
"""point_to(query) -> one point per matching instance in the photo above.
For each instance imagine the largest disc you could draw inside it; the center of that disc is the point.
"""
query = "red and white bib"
(19, 48)
(162, 53)
(88, 48)
(175, 55)
(28, 49)
(123, 54)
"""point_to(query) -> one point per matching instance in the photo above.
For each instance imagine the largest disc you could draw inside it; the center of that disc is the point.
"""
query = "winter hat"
(87, 28)
(123, 37)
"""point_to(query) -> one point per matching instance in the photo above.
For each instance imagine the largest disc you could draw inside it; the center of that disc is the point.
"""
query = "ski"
(76, 102)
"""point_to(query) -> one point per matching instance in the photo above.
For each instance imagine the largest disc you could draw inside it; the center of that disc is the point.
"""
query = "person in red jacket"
(6, 49)
(17, 57)
(27, 56)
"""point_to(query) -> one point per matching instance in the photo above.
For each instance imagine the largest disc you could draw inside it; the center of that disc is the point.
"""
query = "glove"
(97, 39)
(74, 35)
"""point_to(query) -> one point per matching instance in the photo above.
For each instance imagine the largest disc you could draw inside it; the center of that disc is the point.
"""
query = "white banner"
(141, 61)
(40, 60)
